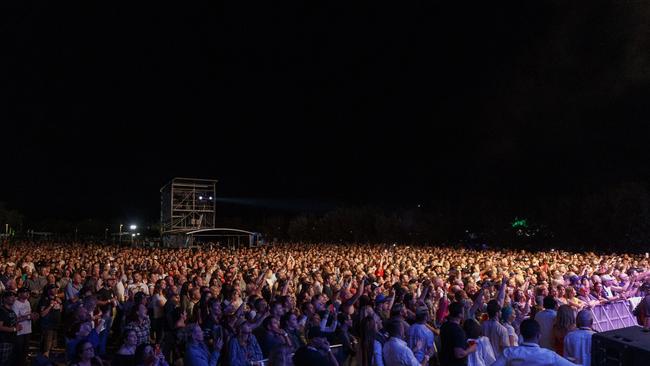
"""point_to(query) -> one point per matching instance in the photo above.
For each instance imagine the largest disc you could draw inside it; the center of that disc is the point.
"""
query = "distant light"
(133, 235)
(200, 197)
(138, 234)
(133, 227)
(210, 198)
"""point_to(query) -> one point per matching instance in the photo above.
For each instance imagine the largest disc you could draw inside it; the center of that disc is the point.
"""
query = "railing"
(613, 315)
(265, 362)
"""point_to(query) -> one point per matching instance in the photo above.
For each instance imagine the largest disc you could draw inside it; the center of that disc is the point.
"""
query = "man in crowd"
(453, 342)
(577, 344)
(530, 353)
(546, 319)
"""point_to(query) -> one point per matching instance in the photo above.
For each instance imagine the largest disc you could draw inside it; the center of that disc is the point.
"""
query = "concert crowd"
(306, 304)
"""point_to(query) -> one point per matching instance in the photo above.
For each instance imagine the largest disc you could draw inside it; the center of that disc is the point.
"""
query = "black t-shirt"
(307, 356)
(8, 319)
(452, 336)
(105, 294)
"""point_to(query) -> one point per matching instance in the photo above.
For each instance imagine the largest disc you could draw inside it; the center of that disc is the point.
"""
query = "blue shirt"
(197, 354)
(241, 356)
(416, 333)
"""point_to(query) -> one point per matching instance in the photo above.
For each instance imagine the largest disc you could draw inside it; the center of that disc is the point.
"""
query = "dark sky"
(325, 101)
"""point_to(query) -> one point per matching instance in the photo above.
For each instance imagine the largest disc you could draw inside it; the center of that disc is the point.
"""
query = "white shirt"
(22, 309)
(577, 344)
(530, 354)
(397, 353)
(483, 355)
(546, 318)
(498, 335)
(512, 334)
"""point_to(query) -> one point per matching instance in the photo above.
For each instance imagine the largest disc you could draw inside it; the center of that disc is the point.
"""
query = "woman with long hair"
(370, 353)
(125, 356)
(565, 321)
(85, 355)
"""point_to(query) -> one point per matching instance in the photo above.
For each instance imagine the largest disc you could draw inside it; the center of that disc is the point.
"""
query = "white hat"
(606, 278)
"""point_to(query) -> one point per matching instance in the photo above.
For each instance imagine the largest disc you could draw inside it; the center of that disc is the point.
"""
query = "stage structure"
(188, 216)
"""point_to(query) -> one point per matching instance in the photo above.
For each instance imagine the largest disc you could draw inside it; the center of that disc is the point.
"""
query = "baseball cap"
(8, 294)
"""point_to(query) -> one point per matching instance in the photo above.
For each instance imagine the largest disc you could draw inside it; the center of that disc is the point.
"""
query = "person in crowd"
(126, 353)
(484, 355)
(139, 322)
(370, 347)
(565, 322)
(84, 355)
(9, 327)
(82, 332)
(317, 352)
(420, 333)
(577, 343)
(49, 308)
(546, 320)
(496, 333)
(530, 352)
(149, 355)
(23, 311)
(454, 348)
(244, 348)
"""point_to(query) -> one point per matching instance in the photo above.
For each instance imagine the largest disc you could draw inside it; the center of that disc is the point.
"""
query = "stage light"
(133, 235)
(200, 197)
(210, 198)
(133, 227)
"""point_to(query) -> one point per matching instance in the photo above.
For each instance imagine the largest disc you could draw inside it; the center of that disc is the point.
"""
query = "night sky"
(319, 102)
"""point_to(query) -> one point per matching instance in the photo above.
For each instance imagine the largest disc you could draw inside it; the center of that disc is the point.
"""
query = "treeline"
(616, 216)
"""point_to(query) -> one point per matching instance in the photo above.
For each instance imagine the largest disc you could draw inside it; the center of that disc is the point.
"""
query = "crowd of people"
(307, 304)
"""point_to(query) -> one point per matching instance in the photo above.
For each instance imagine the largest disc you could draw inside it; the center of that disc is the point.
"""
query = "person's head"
(565, 319)
(195, 333)
(421, 314)
(507, 314)
(271, 324)
(456, 310)
(472, 329)
(244, 332)
(315, 335)
(395, 329)
(530, 330)
(9, 298)
(144, 354)
(493, 309)
(142, 312)
(23, 293)
(584, 319)
(550, 303)
(345, 320)
(277, 309)
(289, 321)
(570, 292)
(84, 351)
(130, 338)
(281, 356)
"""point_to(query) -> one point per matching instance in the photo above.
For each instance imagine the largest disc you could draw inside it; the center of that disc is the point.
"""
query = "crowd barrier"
(265, 362)
(613, 315)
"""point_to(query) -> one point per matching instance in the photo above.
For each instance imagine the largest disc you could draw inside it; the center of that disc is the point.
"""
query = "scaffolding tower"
(187, 204)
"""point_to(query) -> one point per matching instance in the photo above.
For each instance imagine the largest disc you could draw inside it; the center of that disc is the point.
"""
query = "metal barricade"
(613, 315)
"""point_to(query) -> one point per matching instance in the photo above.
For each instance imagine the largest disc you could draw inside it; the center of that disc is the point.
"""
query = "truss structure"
(187, 204)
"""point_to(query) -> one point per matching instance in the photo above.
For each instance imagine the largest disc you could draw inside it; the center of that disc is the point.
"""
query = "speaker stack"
(621, 347)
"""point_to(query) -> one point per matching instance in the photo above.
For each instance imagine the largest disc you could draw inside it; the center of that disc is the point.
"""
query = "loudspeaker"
(621, 347)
